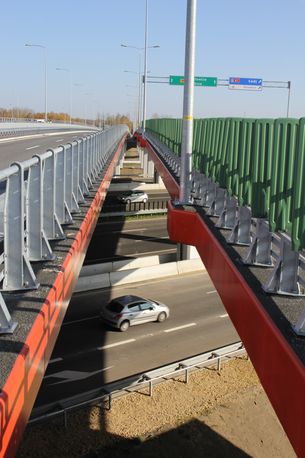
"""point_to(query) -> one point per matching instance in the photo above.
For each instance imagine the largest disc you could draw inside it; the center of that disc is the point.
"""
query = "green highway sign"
(176, 80)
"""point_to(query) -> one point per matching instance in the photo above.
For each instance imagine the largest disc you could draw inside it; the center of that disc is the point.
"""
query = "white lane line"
(180, 327)
(32, 147)
(225, 315)
(45, 134)
(212, 292)
(136, 231)
(55, 360)
(81, 320)
(148, 253)
(123, 342)
(60, 140)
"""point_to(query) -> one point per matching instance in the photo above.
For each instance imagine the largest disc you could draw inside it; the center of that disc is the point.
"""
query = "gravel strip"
(217, 414)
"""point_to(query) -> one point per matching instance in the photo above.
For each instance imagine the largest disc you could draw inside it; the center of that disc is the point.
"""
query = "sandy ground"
(217, 414)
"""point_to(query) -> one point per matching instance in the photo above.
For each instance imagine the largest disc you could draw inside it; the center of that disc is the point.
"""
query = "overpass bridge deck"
(263, 321)
(25, 353)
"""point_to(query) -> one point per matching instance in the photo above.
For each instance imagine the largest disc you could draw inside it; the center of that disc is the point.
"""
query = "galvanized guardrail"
(148, 380)
(39, 196)
(8, 129)
(135, 207)
(268, 249)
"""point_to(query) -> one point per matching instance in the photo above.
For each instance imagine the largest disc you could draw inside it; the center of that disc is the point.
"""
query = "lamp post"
(62, 69)
(144, 72)
(45, 76)
(188, 102)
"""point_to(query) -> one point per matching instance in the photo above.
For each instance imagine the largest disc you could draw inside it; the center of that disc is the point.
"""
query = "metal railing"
(22, 127)
(38, 197)
(273, 250)
(145, 380)
(136, 207)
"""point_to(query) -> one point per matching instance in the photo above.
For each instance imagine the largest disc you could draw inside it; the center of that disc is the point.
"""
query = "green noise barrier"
(259, 161)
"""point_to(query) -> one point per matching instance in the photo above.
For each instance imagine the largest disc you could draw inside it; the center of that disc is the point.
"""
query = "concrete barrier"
(126, 274)
(92, 282)
(142, 186)
(145, 273)
(191, 265)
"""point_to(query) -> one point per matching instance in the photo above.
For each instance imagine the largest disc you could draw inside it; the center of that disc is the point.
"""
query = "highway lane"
(23, 148)
(89, 354)
(129, 238)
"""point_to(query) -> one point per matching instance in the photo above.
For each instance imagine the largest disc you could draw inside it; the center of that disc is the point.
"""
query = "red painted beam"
(169, 181)
(20, 390)
(281, 372)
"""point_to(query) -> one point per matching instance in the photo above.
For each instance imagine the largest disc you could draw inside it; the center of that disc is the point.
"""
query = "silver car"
(126, 311)
(134, 196)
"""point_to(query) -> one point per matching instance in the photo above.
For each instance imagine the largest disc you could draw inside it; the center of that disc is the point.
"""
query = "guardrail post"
(259, 253)
(240, 234)
(61, 207)
(18, 272)
(186, 380)
(51, 224)
(150, 383)
(83, 188)
(227, 217)
(7, 325)
(86, 163)
(285, 278)
(76, 196)
(70, 197)
(38, 247)
(218, 364)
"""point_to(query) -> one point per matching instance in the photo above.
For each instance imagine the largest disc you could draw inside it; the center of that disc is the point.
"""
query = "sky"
(260, 39)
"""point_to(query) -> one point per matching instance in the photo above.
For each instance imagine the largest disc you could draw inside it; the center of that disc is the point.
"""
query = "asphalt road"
(23, 148)
(89, 354)
(129, 239)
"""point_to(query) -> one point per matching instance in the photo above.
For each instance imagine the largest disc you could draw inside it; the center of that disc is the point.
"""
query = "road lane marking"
(60, 140)
(212, 292)
(81, 320)
(123, 342)
(180, 327)
(55, 360)
(225, 315)
(32, 147)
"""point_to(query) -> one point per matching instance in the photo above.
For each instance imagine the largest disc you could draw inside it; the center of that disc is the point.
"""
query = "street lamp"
(70, 91)
(45, 76)
(145, 67)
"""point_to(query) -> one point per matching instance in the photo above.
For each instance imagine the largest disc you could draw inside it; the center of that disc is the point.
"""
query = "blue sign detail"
(245, 81)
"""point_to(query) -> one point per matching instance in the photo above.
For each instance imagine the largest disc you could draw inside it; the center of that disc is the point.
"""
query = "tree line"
(99, 121)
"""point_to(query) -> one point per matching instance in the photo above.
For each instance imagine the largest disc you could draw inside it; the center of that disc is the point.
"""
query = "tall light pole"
(67, 70)
(45, 77)
(145, 68)
(188, 103)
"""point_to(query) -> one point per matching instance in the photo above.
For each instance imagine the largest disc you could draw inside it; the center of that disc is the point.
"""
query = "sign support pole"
(188, 103)
(288, 101)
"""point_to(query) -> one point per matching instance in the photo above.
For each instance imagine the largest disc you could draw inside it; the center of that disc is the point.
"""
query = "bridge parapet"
(268, 324)
(39, 197)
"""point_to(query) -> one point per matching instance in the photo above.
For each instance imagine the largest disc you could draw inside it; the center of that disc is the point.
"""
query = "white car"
(134, 196)
(126, 311)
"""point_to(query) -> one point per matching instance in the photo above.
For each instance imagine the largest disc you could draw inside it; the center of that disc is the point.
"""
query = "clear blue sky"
(263, 39)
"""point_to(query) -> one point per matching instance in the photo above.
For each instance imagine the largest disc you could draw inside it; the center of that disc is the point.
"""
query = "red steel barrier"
(281, 372)
(20, 390)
